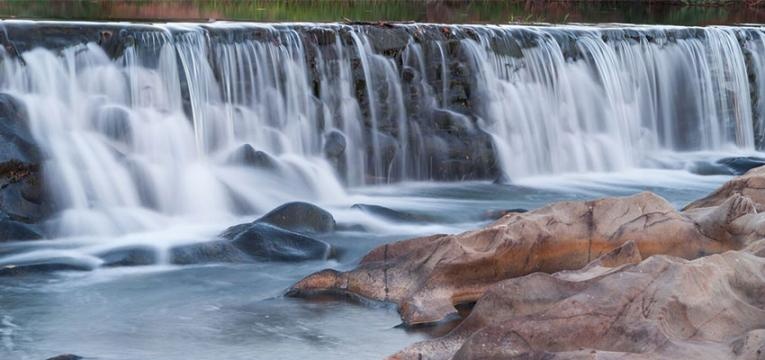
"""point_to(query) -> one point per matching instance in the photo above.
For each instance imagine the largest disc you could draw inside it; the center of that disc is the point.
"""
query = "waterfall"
(142, 122)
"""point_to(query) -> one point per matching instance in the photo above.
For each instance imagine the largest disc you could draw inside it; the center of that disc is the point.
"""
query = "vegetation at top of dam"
(676, 12)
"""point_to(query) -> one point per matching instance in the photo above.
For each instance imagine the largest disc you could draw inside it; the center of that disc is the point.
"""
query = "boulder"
(426, 277)
(263, 241)
(300, 217)
(661, 308)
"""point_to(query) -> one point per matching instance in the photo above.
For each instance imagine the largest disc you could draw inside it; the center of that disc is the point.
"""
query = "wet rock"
(46, 266)
(262, 241)
(499, 213)
(350, 227)
(130, 256)
(387, 40)
(334, 144)
(66, 357)
(11, 230)
(114, 123)
(247, 155)
(662, 308)
(322, 36)
(16, 142)
(388, 149)
(426, 277)
(390, 214)
(455, 157)
(727, 166)
(300, 217)
(740, 165)
(22, 195)
(220, 251)
(707, 168)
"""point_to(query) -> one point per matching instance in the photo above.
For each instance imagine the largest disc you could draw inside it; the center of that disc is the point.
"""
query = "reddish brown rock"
(662, 308)
(426, 277)
(751, 185)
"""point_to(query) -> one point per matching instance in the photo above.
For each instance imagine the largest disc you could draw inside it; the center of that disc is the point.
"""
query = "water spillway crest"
(142, 124)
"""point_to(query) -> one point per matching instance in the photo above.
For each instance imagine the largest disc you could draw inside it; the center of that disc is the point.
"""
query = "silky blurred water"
(237, 311)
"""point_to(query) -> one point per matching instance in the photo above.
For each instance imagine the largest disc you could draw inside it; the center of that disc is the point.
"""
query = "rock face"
(662, 308)
(751, 184)
(426, 277)
(22, 194)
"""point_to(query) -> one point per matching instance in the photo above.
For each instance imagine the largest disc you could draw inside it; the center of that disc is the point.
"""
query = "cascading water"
(207, 121)
(610, 97)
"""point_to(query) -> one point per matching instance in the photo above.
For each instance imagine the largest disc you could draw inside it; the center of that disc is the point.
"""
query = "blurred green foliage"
(682, 12)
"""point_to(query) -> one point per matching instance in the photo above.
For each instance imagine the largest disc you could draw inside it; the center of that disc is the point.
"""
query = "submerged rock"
(114, 123)
(129, 256)
(247, 155)
(390, 214)
(426, 277)
(300, 217)
(66, 357)
(220, 251)
(46, 266)
(334, 144)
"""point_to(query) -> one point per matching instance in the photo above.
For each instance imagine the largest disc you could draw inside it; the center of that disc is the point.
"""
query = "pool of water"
(237, 311)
